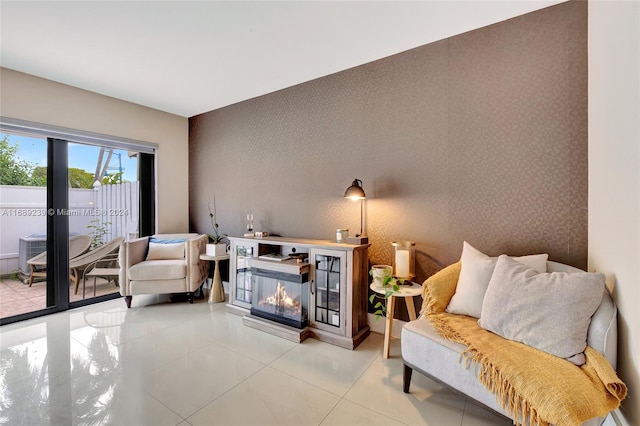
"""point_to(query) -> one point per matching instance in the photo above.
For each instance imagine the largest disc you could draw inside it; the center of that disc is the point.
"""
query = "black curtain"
(57, 223)
(146, 177)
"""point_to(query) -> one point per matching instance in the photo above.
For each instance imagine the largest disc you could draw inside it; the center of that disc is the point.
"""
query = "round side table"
(217, 290)
(406, 291)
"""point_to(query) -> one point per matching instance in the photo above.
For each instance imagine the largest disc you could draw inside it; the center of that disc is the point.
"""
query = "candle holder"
(249, 232)
(404, 261)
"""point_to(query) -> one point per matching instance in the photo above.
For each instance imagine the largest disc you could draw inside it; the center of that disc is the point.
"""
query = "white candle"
(402, 263)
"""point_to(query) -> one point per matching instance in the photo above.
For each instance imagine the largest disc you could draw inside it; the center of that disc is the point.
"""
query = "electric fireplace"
(281, 297)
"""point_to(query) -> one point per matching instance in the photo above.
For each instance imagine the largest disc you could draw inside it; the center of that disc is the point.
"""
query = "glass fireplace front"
(280, 297)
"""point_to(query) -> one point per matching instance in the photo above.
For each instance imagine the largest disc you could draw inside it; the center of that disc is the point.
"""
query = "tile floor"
(162, 363)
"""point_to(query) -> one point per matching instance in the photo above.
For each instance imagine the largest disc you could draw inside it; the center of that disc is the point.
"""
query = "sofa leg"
(127, 300)
(406, 378)
(190, 296)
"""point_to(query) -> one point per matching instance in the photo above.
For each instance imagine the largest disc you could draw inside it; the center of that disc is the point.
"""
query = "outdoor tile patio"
(16, 297)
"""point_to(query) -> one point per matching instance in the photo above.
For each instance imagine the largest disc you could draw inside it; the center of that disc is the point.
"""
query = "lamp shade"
(355, 191)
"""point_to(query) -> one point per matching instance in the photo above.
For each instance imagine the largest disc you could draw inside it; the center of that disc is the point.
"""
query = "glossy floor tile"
(163, 363)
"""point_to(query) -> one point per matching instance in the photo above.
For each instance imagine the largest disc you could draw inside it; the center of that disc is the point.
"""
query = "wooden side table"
(405, 291)
(216, 294)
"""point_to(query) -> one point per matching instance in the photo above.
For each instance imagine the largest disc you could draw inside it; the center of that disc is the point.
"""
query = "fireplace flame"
(280, 298)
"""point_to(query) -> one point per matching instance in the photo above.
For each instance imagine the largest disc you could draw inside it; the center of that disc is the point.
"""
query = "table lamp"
(355, 192)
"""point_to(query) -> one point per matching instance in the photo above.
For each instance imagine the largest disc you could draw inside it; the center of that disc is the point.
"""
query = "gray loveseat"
(424, 350)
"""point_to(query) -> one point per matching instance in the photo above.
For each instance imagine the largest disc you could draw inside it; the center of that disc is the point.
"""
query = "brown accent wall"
(479, 137)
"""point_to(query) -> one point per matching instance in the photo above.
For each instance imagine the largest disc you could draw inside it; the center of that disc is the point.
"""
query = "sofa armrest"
(603, 329)
(122, 261)
(131, 253)
(197, 269)
(438, 289)
(136, 250)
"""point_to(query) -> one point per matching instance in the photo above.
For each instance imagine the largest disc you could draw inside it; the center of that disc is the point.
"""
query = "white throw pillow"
(475, 274)
(550, 311)
(159, 251)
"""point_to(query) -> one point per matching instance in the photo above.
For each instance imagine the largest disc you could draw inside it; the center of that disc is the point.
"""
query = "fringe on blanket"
(488, 375)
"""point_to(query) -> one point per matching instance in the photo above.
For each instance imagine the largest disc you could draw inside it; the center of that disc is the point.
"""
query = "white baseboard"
(377, 325)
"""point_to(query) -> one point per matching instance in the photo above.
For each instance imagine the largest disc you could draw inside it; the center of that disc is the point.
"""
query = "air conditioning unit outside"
(30, 246)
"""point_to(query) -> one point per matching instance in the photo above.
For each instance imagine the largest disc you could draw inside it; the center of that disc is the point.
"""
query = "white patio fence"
(23, 213)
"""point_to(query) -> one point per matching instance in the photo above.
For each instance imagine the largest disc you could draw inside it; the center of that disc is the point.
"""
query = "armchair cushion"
(158, 270)
(163, 251)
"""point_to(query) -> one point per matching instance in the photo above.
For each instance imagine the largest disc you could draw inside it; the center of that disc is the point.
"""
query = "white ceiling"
(190, 57)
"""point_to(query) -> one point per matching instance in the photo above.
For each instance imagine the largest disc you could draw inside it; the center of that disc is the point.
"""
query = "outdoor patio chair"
(80, 263)
(107, 268)
(78, 244)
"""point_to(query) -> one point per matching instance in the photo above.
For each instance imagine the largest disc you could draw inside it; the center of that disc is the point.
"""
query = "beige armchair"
(161, 264)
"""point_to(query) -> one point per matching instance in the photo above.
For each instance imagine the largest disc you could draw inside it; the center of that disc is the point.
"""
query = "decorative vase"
(379, 273)
(216, 249)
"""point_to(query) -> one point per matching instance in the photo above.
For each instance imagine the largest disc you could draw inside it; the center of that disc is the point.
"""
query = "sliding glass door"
(65, 208)
(103, 211)
(23, 224)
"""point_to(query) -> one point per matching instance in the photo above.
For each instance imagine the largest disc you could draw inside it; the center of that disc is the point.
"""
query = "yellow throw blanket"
(532, 386)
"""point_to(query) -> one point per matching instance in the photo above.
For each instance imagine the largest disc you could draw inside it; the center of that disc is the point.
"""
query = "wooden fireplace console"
(338, 283)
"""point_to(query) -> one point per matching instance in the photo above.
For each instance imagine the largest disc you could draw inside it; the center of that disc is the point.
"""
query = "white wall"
(30, 98)
(23, 213)
(614, 174)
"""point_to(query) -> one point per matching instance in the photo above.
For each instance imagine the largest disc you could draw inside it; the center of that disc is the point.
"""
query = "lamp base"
(363, 239)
